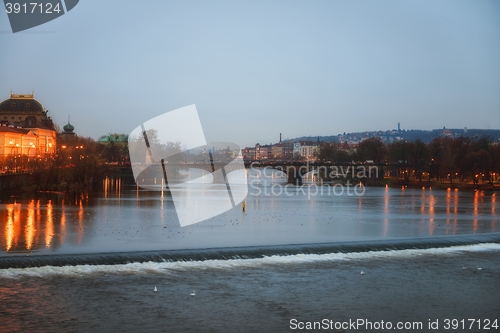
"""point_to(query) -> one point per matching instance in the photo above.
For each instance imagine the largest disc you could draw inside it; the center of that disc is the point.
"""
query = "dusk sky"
(258, 68)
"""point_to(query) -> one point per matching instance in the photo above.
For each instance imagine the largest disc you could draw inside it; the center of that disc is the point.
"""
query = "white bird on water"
(155, 289)
(193, 293)
(362, 273)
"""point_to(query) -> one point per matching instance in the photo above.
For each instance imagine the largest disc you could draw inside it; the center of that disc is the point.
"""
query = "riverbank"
(62, 180)
(465, 186)
(26, 183)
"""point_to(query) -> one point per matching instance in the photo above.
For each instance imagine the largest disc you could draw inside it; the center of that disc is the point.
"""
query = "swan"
(155, 289)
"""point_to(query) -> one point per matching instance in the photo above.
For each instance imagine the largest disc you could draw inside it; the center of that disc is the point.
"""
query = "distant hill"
(408, 135)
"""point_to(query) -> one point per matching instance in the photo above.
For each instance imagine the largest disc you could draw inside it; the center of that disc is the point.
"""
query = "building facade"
(309, 150)
(25, 128)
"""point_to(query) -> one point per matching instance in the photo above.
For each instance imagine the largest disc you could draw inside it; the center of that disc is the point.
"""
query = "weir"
(16, 261)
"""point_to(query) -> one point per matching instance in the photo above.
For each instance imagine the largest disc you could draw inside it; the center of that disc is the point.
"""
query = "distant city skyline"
(393, 135)
(261, 68)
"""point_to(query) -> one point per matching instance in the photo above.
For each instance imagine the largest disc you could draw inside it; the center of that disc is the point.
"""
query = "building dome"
(21, 104)
(68, 131)
(68, 127)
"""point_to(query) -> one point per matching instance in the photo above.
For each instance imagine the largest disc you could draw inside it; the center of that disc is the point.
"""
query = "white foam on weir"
(168, 267)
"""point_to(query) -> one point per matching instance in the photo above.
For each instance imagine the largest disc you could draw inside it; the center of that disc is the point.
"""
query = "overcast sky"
(258, 68)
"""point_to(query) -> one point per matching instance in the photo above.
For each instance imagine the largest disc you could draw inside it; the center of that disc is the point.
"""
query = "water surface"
(124, 218)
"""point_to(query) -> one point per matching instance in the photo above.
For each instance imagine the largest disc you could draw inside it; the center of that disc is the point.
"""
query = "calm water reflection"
(125, 218)
(40, 223)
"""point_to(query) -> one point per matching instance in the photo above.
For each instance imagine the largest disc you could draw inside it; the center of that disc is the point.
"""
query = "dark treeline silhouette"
(78, 165)
(460, 159)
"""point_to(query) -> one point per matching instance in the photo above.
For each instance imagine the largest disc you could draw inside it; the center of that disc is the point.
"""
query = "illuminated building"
(25, 128)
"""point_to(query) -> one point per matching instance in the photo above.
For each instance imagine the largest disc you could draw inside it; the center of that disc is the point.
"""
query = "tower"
(68, 131)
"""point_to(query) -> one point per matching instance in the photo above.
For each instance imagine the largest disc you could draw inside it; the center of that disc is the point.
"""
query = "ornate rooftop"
(21, 103)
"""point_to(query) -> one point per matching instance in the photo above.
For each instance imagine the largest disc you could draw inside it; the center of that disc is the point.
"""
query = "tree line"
(443, 159)
(78, 165)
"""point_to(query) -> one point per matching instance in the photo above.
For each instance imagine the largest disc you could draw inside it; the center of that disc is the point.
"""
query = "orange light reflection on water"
(9, 228)
(432, 204)
(493, 211)
(475, 223)
(106, 187)
(17, 223)
(62, 228)
(386, 210)
(30, 225)
(119, 186)
(81, 225)
(33, 225)
(422, 200)
(448, 211)
(49, 228)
